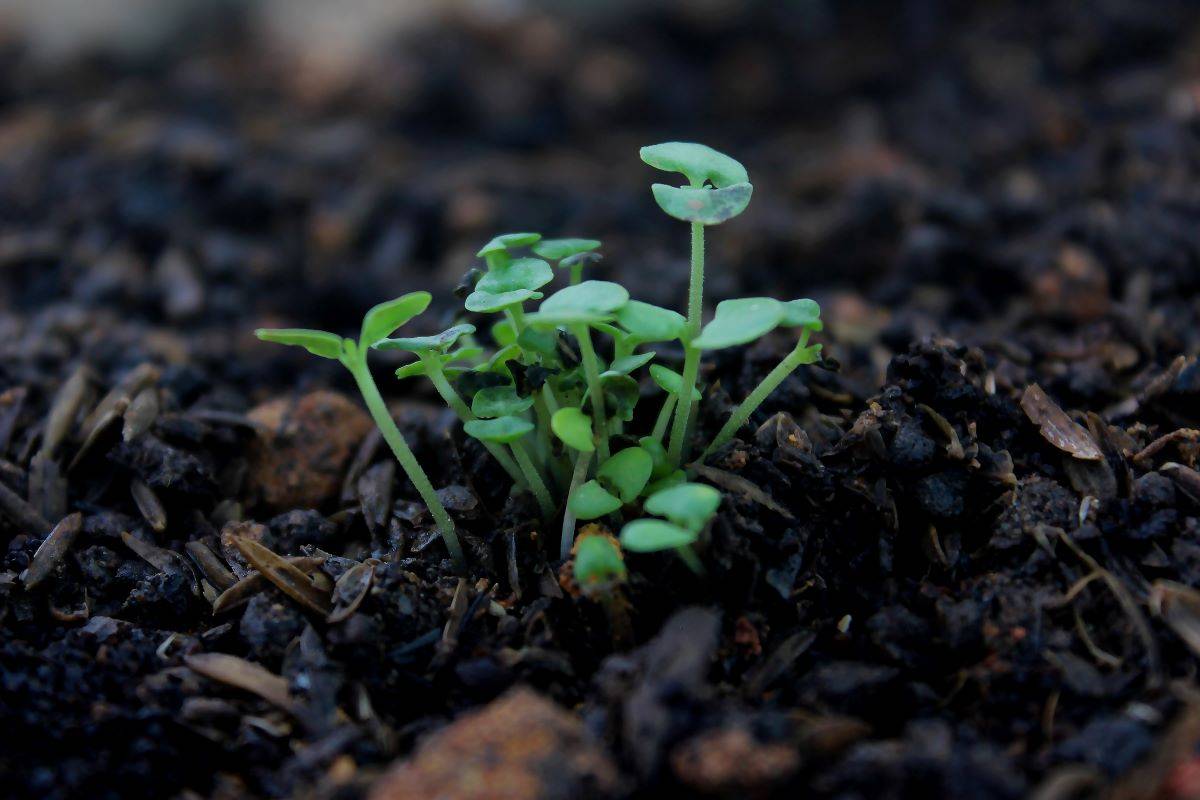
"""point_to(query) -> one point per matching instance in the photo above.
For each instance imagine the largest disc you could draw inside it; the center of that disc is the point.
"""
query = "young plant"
(687, 507)
(718, 189)
(377, 324)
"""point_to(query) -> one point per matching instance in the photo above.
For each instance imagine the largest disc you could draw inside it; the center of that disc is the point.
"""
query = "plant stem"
(568, 529)
(438, 378)
(576, 273)
(690, 558)
(770, 383)
(536, 484)
(591, 368)
(516, 315)
(664, 416)
(691, 359)
(408, 462)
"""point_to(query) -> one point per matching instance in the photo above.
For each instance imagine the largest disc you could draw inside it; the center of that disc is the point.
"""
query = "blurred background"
(173, 174)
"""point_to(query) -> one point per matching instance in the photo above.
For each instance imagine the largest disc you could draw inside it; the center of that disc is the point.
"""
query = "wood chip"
(287, 577)
(739, 485)
(1179, 435)
(213, 568)
(242, 674)
(253, 582)
(160, 558)
(1056, 427)
(52, 550)
(350, 590)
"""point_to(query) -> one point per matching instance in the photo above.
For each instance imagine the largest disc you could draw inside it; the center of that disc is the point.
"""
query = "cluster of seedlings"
(559, 431)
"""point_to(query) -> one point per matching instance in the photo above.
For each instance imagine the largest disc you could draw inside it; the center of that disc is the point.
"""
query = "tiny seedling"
(548, 375)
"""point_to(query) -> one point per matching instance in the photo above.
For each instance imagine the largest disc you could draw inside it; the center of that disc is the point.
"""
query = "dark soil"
(927, 579)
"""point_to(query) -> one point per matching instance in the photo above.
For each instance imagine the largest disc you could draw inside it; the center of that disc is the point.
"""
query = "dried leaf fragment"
(242, 674)
(1056, 427)
(52, 550)
(289, 578)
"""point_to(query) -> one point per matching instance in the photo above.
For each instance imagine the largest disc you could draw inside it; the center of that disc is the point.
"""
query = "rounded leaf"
(626, 473)
(803, 313)
(558, 249)
(688, 504)
(520, 273)
(589, 301)
(488, 303)
(598, 561)
(698, 162)
(499, 401)
(384, 318)
(574, 427)
(706, 206)
(670, 381)
(424, 344)
(740, 321)
(650, 323)
(319, 343)
(504, 430)
(653, 535)
(658, 455)
(591, 500)
(672, 478)
(506, 241)
(627, 364)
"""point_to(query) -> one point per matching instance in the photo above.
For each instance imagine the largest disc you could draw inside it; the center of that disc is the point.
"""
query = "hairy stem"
(536, 484)
(576, 273)
(453, 399)
(691, 361)
(770, 383)
(357, 364)
(591, 368)
(664, 417)
(568, 529)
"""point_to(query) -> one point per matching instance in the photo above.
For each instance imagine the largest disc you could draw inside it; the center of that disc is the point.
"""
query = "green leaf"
(540, 341)
(503, 333)
(598, 562)
(688, 504)
(504, 430)
(558, 249)
(591, 500)
(653, 535)
(658, 456)
(496, 362)
(521, 273)
(508, 241)
(626, 473)
(499, 401)
(670, 381)
(413, 370)
(488, 303)
(579, 258)
(425, 344)
(627, 364)
(802, 313)
(586, 302)
(319, 343)
(673, 478)
(649, 323)
(387, 317)
(740, 321)
(698, 162)
(574, 427)
(706, 206)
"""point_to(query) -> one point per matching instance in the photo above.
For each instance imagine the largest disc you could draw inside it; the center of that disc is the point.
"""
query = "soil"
(955, 559)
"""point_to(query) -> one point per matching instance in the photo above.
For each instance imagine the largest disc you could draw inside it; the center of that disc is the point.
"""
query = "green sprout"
(719, 189)
(598, 563)
(687, 507)
(547, 373)
(377, 324)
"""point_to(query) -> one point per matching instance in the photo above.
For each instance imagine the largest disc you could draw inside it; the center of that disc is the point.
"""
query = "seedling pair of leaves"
(687, 508)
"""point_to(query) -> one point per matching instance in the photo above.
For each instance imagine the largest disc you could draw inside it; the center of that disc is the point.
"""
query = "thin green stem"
(536, 484)
(578, 475)
(689, 557)
(664, 417)
(576, 273)
(517, 315)
(437, 376)
(357, 364)
(591, 369)
(691, 362)
(770, 383)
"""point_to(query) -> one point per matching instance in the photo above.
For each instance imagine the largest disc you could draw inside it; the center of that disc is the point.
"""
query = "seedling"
(377, 324)
(687, 507)
(551, 395)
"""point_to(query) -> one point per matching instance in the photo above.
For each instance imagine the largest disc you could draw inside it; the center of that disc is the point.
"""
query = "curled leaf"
(706, 206)
(319, 343)
(586, 302)
(503, 430)
(423, 344)
(626, 473)
(740, 321)
(698, 162)
(488, 303)
(521, 273)
(507, 241)
(650, 323)
(384, 318)
(558, 249)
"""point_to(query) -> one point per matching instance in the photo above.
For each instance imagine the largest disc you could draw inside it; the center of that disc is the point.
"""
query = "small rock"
(300, 455)
(519, 747)
(269, 625)
(731, 762)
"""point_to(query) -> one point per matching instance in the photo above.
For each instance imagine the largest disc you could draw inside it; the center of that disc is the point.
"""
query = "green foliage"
(557, 379)
(598, 563)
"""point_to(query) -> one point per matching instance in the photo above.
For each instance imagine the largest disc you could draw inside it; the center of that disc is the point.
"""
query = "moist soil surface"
(953, 559)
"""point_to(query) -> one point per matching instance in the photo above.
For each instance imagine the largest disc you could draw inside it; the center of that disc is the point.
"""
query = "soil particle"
(518, 747)
(268, 625)
(302, 448)
(731, 762)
